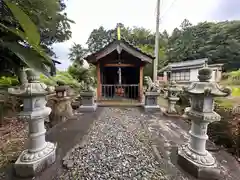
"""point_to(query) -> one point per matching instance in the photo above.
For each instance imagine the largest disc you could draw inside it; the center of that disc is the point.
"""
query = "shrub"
(227, 131)
(62, 76)
(8, 81)
(234, 77)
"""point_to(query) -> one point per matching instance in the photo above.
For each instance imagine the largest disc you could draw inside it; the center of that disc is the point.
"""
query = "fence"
(119, 92)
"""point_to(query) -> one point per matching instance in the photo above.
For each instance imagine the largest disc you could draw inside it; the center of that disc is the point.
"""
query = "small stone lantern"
(39, 154)
(61, 91)
(62, 108)
(173, 92)
(193, 156)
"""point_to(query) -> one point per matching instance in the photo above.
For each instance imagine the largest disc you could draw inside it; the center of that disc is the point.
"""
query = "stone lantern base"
(29, 164)
(199, 166)
(151, 102)
(88, 103)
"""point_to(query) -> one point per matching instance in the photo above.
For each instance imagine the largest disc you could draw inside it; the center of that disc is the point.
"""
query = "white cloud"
(91, 14)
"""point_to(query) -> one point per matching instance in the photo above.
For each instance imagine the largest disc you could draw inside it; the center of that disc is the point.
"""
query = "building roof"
(184, 65)
(119, 45)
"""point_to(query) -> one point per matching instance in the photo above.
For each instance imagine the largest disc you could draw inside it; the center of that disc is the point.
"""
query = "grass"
(235, 91)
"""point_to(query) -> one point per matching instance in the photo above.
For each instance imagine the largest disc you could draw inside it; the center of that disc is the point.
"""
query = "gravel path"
(117, 147)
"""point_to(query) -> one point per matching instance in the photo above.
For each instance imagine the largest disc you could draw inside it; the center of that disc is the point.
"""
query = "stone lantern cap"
(32, 88)
(61, 88)
(205, 87)
(173, 87)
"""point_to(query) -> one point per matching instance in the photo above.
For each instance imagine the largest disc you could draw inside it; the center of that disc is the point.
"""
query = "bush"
(8, 81)
(62, 76)
(234, 77)
(227, 131)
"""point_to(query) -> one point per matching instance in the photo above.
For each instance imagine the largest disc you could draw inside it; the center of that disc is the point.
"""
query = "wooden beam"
(140, 83)
(119, 65)
(98, 81)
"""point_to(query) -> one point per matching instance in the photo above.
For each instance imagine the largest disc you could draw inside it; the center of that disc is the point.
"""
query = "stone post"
(39, 153)
(151, 101)
(193, 156)
(173, 91)
(88, 102)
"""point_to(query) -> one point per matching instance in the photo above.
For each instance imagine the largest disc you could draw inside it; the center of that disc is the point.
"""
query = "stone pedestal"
(39, 154)
(193, 156)
(151, 102)
(88, 102)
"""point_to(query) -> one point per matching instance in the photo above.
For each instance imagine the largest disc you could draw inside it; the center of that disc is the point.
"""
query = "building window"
(180, 75)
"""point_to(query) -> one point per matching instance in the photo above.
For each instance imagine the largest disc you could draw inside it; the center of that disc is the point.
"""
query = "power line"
(168, 9)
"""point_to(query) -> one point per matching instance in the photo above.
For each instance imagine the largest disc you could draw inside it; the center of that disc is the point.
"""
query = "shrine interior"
(129, 81)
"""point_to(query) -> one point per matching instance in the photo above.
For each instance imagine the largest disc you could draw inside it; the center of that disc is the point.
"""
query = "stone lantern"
(173, 92)
(61, 90)
(62, 108)
(39, 153)
(193, 156)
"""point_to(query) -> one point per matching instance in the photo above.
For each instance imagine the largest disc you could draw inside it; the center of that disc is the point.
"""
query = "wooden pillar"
(141, 83)
(98, 81)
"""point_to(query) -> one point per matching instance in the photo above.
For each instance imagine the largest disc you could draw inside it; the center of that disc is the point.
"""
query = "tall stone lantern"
(193, 156)
(39, 153)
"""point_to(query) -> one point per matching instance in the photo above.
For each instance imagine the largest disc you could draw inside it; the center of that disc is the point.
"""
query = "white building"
(187, 71)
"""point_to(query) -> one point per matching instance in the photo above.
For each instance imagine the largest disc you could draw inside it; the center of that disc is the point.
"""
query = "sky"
(90, 14)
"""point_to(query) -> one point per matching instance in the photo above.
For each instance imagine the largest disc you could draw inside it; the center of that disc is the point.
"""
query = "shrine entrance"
(119, 72)
(120, 83)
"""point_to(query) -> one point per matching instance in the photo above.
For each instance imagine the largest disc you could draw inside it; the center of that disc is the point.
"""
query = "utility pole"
(155, 64)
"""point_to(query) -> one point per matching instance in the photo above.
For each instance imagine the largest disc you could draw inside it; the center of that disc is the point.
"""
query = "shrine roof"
(119, 45)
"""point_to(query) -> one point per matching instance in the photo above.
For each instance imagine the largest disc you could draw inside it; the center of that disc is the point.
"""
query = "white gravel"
(116, 147)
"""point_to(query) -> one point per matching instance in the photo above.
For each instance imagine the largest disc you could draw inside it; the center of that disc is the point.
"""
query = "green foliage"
(62, 76)
(8, 81)
(236, 91)
(234, 77)
(27, 31)
(48, 81)
(85, 76)
(77, 53)
(82, 74)
(29, 52)
(219, 42)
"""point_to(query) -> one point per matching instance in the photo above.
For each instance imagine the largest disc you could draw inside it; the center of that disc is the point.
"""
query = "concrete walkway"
(124, 143)
(66, 135)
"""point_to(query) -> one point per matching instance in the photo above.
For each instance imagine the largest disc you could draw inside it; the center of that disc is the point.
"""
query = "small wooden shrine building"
(119, 71)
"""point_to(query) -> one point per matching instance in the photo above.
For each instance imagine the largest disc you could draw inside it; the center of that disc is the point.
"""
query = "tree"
(77, 53)
(219, 42)
(28, 49)
(98, 39)
(52, 25)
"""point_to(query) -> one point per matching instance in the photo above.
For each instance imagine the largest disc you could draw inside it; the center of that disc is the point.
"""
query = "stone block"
(151, 108)
(32, 168)
(88, 108)
(205, 172)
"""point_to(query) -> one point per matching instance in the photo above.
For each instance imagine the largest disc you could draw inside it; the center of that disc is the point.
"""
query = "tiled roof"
(188, 63)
